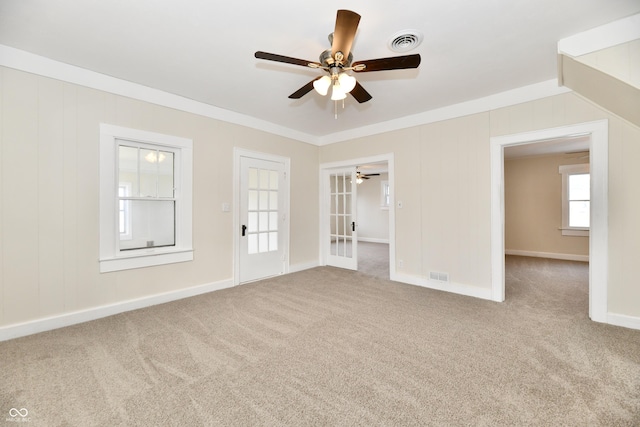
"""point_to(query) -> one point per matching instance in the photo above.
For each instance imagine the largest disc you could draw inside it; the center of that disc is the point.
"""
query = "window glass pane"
(148, 172)
(253, 244)
(333, 183)
(333, 225)
(263, 223)
(264, 200)
(253, 222)
(273, 180)
(128, 169)
(579, 214)
(253, 178)
(579, 187)
(165, 174)
(264, 179)
(263, 242)
(348, 244)
(273, 221)
(273, 200)
(152, 224)
(347, 183)
(253, 200)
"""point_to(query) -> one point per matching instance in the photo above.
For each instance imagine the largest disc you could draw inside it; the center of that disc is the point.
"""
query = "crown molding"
(608, 35)
(36, 64)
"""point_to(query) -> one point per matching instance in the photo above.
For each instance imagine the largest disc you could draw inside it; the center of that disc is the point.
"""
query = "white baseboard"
(623, 320)
(456, 288)
(67, 319)
(566, 257)
(373, 240)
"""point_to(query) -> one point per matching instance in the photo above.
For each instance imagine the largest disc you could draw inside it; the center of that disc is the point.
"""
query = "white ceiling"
(571, 145)
(204, 49)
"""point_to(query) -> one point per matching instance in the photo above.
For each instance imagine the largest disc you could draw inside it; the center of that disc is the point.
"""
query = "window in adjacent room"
(385, 195)
(576, 199)
(145, 199)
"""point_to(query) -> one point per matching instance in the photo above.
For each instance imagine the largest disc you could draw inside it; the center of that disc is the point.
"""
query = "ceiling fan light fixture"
(347, 82)
(322, 85)
(337, 93)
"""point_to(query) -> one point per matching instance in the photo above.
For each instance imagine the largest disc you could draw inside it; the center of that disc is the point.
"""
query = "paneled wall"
(443, 179)
(49, 133)
(621, 61)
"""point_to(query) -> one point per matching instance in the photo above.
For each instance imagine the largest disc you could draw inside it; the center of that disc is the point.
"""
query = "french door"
(263, 224)
(341, 239)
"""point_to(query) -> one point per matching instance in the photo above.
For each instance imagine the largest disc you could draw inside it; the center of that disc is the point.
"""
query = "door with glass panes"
(262, 219)
(341, 239)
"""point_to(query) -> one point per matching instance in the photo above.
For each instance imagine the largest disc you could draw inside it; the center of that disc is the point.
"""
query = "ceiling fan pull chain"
(335, 109)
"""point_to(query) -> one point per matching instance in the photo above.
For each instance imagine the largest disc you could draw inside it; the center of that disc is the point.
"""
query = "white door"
(342, 236)
(263, 224)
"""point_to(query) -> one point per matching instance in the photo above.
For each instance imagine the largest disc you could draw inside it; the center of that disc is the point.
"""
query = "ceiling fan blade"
(285, 59)
(344, 33)
(303, 90)
(393, 63)
(360, 94)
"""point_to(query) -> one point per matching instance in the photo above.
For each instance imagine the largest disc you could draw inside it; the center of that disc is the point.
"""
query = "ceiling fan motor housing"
(327, 60)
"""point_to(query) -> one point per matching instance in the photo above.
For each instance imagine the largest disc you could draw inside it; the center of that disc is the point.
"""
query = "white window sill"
(575, 232)
(144, 260)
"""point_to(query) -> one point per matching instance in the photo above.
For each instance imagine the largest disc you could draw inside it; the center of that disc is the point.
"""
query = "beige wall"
(49, 194)
(49, 197)
(373, 222)
(533, 206)
(443, 179)
(621, 61)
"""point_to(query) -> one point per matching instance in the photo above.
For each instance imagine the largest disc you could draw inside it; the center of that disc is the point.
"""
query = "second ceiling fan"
(338, 61)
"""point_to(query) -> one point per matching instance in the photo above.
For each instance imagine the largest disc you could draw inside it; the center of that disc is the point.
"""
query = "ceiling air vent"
(405, 40)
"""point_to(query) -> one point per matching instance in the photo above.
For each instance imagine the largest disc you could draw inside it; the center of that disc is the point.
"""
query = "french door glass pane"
(262, 210)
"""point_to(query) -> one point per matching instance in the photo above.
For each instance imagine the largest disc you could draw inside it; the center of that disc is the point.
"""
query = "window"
(124, 211)
(385, 195)
(576, 199)
(145, 199)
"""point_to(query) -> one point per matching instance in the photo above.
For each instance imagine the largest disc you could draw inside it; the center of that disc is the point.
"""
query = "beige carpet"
(333, 347)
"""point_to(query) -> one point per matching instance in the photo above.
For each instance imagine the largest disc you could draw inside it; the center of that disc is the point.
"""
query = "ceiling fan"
(360, 175)
(338, 60)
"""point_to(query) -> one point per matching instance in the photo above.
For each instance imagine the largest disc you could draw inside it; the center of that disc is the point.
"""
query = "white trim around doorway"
(598, 242)
(383, 158)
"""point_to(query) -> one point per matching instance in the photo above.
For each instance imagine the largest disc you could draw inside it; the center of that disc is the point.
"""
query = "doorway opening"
(597, 133)
(545, 260)
(370, 230)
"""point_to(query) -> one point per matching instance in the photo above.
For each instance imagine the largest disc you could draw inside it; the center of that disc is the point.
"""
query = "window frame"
(111, 257)
(385, 195)
(566, 171)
